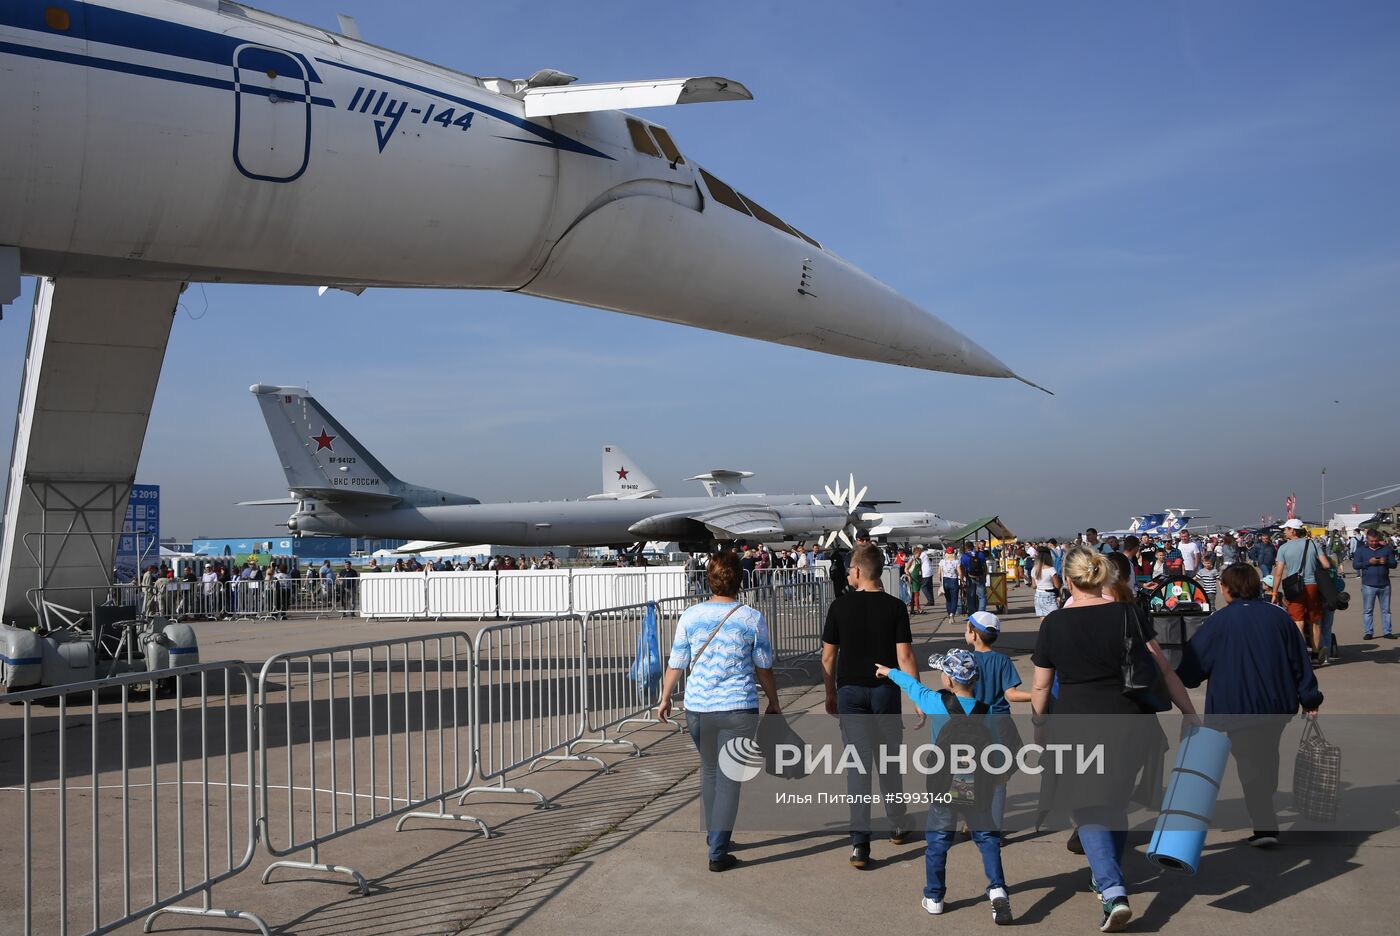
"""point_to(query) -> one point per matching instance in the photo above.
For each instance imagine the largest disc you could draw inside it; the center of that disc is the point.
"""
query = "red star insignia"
(323, 441)
(622, 474)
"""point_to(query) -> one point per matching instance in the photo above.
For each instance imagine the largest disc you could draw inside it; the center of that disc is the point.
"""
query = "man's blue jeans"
(1104, 834)
(939, 835)
(711, 731)
(1369, 596)
(977, 597)
(870, 718)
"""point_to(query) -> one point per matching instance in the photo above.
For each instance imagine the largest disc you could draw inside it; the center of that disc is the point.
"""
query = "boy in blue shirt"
(959, 674)
(997, 687)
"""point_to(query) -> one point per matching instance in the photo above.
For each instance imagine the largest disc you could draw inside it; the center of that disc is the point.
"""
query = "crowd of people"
(1256, 654)
(1318, 565)
(214, 590)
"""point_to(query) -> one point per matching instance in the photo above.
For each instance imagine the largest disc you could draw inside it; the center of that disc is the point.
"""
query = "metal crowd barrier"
(528, 698)
(182, 829)
(796, 614)
(279, 598)
(617, 688)
(347, 736)
(374, 730)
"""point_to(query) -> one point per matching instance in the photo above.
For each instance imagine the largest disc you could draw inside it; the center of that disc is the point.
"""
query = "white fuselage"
(913, 527)
(185, 140)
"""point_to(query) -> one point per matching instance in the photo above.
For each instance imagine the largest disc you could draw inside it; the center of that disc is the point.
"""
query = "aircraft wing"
(342, 495)
(729, 521)
(741, 520)
(627, 95)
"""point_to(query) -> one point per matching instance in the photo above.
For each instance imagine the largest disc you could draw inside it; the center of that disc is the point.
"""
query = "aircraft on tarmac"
(154, 143)
(339, 488)
(911, 527)
(1171, 521)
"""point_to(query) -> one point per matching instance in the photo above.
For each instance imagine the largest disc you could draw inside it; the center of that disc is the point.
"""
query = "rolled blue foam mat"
(1192, 791)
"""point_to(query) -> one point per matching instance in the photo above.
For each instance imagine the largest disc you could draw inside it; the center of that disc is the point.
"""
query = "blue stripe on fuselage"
(130, 31)
(547, 136)
(144, 71)
(149, 34)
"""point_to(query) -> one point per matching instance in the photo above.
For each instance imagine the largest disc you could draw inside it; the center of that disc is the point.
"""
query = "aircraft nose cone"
(721, 270)
(863, 311)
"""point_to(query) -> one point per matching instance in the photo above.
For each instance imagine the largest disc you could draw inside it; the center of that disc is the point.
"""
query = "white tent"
(1348, 523)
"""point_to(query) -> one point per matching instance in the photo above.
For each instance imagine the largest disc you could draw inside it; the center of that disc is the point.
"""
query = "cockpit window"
(641, 140)
(668, 146)
(764, 215)
(805, 237)
(723, 193)
(727, 196)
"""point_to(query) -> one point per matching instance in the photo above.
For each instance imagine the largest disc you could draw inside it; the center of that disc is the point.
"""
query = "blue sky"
(1183, 218)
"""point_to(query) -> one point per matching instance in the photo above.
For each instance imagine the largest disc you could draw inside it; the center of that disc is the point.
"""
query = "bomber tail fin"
(622, 479)
(319, 455)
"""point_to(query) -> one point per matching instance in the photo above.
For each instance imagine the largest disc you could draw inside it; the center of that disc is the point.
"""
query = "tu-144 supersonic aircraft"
(340, 489)
(148, 144)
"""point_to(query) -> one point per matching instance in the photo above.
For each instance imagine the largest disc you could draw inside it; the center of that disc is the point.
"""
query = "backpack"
(977, 566)
(968, 792)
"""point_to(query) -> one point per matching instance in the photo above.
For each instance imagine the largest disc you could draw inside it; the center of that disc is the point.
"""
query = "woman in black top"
(1082, 645)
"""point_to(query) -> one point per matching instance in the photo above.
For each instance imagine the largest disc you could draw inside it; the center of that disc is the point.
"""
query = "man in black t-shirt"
(864, 627)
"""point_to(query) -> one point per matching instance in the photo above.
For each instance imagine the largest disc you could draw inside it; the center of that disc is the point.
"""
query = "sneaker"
(899, 837)
(1263, 839)
(932, 906)
(1094, 886)
(860, 857)
(1367, 637)
(1001, 906)
(1116, 914)
(1387, 636)
(723, 863)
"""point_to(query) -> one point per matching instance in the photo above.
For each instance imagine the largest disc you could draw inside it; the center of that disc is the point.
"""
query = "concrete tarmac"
(626, 848)
(654, 868)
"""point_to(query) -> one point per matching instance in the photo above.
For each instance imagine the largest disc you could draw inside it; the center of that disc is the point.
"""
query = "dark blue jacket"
(1255, 659)
(1262, 555)
(1374, 576)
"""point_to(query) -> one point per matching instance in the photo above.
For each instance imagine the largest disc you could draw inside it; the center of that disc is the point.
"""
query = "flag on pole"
(1291, 502)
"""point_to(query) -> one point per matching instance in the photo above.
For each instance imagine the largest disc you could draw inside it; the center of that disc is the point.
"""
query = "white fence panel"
(462, 594)
(665, 583)
(607, 588)
(541, 591)
(393, 594)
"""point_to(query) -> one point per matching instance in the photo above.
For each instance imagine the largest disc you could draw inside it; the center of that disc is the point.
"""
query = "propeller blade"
(817, 501)
(834, 496)
(828, 540)
(857, 498)
(845, 539)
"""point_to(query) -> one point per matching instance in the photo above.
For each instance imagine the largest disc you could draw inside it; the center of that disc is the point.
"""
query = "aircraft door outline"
(272, 114)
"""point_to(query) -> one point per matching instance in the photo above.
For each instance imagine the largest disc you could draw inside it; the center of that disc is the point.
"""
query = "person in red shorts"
(1299, 554)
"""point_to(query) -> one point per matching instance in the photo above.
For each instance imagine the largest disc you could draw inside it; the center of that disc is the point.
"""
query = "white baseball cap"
(1293, 524)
